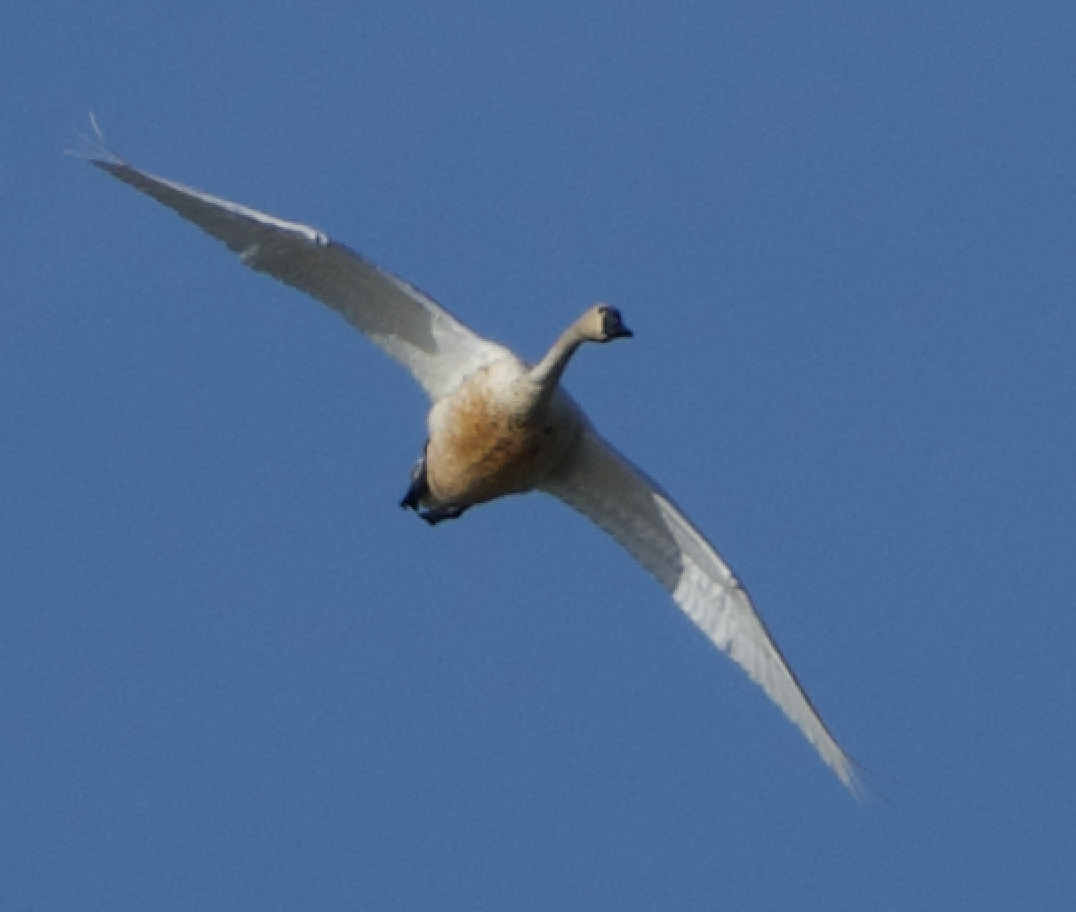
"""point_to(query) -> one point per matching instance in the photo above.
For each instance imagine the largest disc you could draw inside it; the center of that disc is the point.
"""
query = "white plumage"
(526, 416)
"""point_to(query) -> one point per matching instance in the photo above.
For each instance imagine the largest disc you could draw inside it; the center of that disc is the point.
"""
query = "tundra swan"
(500, 426)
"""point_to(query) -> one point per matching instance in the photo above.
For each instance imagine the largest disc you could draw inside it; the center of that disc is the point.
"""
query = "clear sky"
(234, 675)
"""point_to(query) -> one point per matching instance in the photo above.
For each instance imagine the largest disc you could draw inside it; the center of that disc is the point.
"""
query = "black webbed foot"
(411, 498)
(419, 491)
(439, 514)
(419, 487)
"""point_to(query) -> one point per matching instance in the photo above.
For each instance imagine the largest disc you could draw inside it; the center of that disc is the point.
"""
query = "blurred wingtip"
(861, 782)
(93, 147)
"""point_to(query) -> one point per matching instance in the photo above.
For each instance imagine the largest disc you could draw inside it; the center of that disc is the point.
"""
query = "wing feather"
(606, 488)
(428, 340)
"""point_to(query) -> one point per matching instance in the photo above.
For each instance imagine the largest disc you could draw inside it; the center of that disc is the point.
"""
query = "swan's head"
(603, 323)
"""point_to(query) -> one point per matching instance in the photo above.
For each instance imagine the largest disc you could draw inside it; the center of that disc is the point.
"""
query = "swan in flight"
(500, 426)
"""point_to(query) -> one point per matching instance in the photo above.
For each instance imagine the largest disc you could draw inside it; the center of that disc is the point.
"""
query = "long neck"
(547, 372)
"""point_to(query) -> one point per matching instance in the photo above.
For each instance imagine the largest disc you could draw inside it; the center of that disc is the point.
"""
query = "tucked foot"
(438, 514)
(419, 487)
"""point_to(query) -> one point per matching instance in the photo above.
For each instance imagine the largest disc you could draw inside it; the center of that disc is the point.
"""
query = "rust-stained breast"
(482, 448)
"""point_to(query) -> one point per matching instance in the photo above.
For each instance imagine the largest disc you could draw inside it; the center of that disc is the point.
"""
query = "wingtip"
(854, 776)
(853, 782)
(94, 148)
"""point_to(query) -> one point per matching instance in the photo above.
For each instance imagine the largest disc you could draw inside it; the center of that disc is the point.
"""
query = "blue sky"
(235, 675)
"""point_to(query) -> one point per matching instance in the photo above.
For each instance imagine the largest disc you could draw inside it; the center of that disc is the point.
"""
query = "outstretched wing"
(436, 347)
(603, 486)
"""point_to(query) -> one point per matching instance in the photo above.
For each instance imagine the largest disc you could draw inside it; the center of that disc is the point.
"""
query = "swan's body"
(498, 426)
(507, 428)
(495, 435)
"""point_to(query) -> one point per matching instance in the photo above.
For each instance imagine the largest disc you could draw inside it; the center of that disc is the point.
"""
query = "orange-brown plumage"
(485, 448)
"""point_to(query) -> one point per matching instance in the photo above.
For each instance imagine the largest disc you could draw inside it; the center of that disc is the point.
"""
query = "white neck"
(547, 372)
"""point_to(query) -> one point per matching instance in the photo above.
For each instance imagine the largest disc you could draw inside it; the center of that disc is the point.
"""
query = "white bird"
(499, 426)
